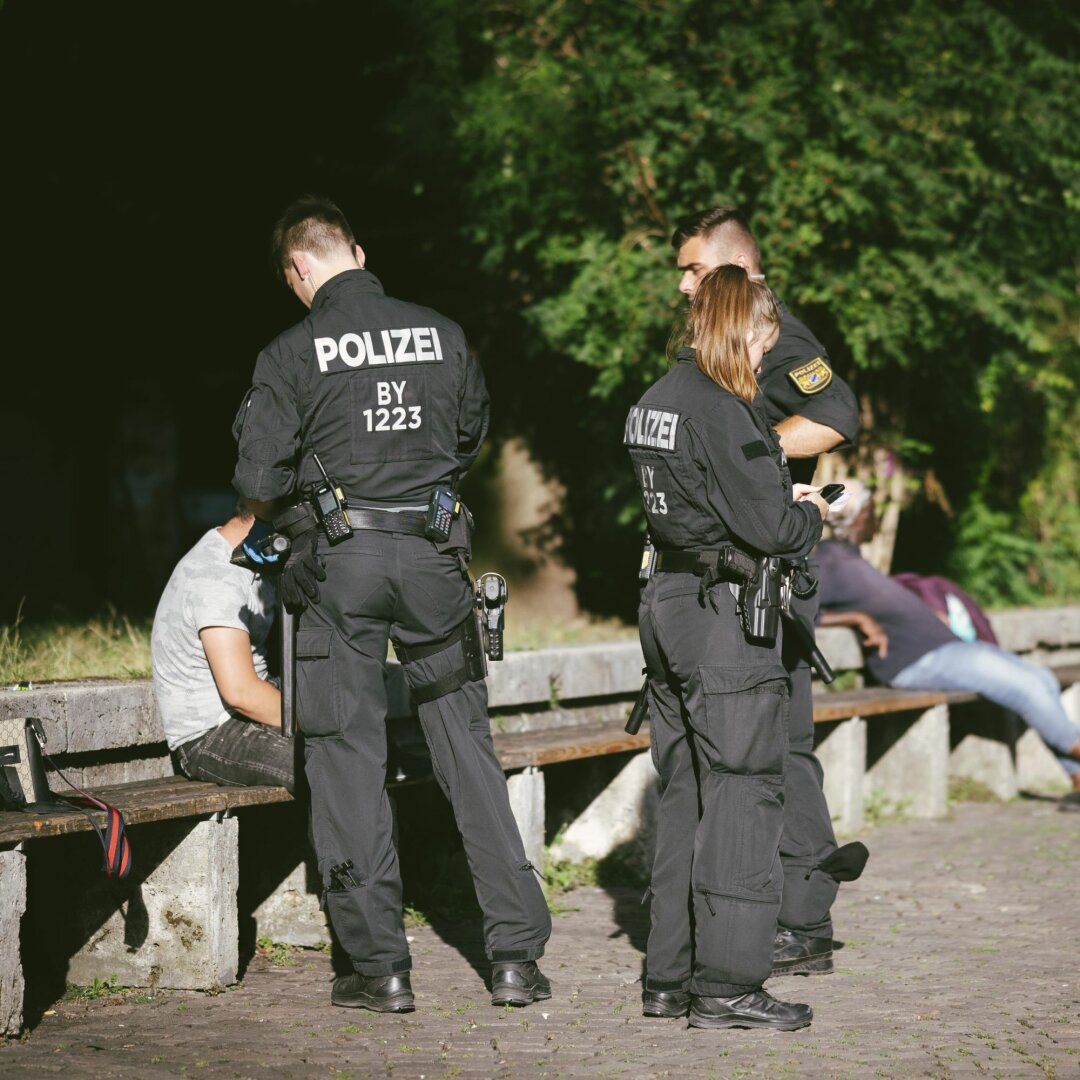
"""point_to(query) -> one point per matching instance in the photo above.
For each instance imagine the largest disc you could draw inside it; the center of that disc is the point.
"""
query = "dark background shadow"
(147, 152)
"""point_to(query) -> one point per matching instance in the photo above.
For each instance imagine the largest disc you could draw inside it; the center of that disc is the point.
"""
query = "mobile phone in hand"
(831, 492)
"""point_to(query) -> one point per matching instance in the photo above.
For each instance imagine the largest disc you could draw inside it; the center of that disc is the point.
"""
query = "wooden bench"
(896, 747)
(184, 880)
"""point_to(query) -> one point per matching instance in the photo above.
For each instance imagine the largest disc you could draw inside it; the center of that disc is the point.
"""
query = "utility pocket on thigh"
(746, 712)
(317, 705)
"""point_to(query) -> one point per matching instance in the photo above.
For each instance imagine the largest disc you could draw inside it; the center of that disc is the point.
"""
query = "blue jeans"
(1004, 678)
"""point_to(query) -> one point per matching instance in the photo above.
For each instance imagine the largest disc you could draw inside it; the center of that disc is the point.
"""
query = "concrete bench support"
(1037, 767)
(12, 906)
(841, 749)
(291, 913)
(983, 747)
(908, 756)
(177, 924)
(526, 789)
(622, 817)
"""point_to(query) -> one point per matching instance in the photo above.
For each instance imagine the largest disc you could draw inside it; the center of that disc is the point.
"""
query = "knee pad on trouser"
(438, 668)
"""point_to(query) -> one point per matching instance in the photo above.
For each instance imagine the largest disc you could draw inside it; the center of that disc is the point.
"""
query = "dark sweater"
(850, 583)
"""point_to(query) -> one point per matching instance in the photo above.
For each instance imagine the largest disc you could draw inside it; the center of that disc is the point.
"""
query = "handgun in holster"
(766, 598)
(491, 595)
(760, 600)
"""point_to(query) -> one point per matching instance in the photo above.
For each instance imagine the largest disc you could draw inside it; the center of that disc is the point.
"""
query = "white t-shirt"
(204, 590)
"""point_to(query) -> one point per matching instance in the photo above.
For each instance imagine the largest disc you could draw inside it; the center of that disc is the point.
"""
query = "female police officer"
(717, 492)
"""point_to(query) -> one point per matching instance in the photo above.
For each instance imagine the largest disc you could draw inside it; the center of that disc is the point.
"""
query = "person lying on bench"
(908, 646)
(208, 650)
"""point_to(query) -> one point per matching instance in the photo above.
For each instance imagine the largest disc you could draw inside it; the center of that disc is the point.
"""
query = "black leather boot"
(665, 1003)
(380, 993)
(795, 953)
(518, 983)
(758, 1009)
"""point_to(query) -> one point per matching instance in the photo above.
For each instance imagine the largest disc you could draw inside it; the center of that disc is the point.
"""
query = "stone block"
(566, 674)
(291, 913)
(1037, 767)
(841, 749)
(983, 745)
(1024, 629)
(12, 906)
(840, 647)
(1070, 702)
(104, 714)
(175, 922)
(526, 789)
(908, 761)
(622, 817)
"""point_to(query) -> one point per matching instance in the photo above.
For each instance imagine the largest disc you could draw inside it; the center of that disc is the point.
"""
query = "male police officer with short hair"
(813, 411)
(388, 397)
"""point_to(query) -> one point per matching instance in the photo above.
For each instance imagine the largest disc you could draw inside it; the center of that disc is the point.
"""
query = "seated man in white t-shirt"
(208, 651)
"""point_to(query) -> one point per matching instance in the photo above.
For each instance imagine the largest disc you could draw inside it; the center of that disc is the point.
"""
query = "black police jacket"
(711, 470)
(385, 392)
(797, 379)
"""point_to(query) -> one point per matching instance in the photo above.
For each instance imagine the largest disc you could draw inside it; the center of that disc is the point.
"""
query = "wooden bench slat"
(515, 751)
(875, 700)
(142, 802)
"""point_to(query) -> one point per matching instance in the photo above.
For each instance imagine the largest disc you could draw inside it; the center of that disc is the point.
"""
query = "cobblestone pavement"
(959, 959)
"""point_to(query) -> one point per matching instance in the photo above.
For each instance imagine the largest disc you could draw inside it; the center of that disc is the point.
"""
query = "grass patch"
(879, 808)
(621, 867)
(109, 645)
(112, 645)
(99, 988)
(276, 952)
(966, 789)
(845, 680)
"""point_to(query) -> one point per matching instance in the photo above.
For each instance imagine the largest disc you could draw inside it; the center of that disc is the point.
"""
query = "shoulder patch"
(812, 377)
(755, 449)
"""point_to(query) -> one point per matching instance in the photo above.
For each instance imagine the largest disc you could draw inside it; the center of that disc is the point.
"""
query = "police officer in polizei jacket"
(813, 411)
(380, 403)
(727, 523)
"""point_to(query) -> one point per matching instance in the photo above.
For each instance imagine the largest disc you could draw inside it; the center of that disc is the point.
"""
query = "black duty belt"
(681, 562)
(727, 563)
(299, 520)
(404, 521)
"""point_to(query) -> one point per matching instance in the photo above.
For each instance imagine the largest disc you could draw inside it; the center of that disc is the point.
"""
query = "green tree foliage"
(911, 170)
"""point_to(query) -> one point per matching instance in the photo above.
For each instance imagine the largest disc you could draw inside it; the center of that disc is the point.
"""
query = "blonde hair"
(726, 307)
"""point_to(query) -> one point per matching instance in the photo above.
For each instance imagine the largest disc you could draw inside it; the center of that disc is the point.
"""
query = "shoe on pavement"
(796, 953)
(380, 993)
(1070, 801)
(758, 1009)
(518, 983)
(665, 1003)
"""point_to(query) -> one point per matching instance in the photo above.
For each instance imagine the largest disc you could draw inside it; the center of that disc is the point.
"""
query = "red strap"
(115, 842)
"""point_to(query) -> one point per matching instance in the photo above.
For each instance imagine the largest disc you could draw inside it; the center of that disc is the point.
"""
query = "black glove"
(300, 579)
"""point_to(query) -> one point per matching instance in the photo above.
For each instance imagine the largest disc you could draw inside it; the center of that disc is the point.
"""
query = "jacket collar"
(349, 282)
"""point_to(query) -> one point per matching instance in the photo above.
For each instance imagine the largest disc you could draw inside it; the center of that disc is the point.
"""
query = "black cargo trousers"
(718, 709)
(389, 585)
(808, 835)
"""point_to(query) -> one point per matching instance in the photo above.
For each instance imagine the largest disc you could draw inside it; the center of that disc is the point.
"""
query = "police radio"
(331, 507)
(442, 511)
